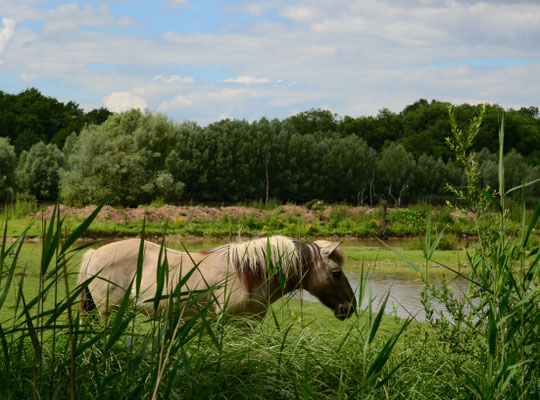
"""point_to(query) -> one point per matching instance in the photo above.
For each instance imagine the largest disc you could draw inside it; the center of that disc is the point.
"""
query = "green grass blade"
(495, 201)
(435, 243)
(409, 263)
(13, 267)
(3, 340)
(51, 240)
(120, 323)
(501, 156)
(492, 332)
(524, 185)
(377, 321)
(532, 224)
(140, 260)
(81, 229)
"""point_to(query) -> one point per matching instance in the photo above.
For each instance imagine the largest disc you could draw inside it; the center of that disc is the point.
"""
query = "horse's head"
(327, 281)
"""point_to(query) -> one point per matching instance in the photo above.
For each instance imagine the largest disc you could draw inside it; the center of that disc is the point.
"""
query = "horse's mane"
(290, 259)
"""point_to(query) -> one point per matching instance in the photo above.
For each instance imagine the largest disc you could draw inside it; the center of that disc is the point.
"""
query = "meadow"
(484, 346)
(298, 351)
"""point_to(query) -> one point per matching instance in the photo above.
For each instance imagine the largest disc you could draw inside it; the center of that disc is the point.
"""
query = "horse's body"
(244, 283)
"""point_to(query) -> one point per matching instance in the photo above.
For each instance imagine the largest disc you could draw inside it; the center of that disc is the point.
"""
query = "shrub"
(495, 324)
(39, 170)
(130, 157)
(7, 169)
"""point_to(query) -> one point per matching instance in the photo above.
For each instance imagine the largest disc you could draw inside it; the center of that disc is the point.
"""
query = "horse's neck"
(276, 288)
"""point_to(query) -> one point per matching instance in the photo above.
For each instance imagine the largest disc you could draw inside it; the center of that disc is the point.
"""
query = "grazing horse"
(243, 281)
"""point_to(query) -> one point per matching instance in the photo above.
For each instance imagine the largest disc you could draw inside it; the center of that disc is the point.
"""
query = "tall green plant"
(45, 341)
(497, 321)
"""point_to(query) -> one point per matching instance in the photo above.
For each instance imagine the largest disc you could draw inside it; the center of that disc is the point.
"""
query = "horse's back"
(114, 266)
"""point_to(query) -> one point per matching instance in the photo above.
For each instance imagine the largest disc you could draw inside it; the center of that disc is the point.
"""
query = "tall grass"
(496, 323)
(49, 350)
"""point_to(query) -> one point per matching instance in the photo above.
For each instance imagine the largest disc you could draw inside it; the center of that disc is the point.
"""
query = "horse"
(246, 277)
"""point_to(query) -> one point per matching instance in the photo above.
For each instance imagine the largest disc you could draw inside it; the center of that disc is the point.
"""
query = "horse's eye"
(336, 274)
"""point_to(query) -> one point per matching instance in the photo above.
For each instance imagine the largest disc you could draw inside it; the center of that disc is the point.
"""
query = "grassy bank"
(484, 345)
(294, 221)
(298, 351)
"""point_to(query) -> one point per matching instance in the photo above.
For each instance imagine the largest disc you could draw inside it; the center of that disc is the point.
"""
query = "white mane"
(289, 258)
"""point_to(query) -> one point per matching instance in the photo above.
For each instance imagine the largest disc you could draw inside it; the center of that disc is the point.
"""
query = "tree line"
(138, 157)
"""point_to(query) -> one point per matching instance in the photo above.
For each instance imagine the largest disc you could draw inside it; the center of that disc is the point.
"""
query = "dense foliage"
(38, 170)
(129, 157)
(29, 117)
(141, 157)
(7, 169)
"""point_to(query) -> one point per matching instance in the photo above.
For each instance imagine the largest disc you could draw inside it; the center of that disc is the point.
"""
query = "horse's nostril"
(344, 309)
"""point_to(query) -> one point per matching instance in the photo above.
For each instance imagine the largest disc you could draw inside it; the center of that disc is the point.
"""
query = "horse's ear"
(331, 247)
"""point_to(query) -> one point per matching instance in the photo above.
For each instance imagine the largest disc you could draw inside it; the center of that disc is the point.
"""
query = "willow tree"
(128, 157)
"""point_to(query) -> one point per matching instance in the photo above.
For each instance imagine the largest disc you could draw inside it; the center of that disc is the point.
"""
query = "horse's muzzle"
(344, 310)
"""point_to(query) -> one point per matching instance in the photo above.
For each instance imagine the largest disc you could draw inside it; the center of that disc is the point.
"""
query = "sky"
(208, 60)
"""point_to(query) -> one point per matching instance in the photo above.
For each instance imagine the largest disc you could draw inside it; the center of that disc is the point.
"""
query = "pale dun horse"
(243, 282)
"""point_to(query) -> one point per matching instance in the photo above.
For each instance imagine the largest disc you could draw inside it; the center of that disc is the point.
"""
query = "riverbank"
(229, 221)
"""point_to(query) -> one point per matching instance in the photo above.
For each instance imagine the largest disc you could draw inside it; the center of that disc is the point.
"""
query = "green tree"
(38, 171)
(515, 169)
(396, 169)
(30, 117)
(8, 162)
(488, 168)
(425, 126)
(127, 156)
(314, 120)
(429, 177)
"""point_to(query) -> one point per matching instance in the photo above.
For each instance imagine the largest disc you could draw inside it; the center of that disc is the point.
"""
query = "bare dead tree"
(405, 187)
(392, 196)
(267, 161)
(360, 198)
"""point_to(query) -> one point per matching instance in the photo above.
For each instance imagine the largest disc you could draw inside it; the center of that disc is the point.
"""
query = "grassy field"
(298, 351)
(485, 345)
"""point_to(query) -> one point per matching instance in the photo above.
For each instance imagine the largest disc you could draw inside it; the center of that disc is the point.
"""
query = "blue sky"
(207, 60)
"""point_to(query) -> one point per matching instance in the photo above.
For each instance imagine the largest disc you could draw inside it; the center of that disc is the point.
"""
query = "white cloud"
(69, 17)
(176, 101)
(172, 79)
(355, 57)
(6, 33)
(122, 101)
(300, 13)
(247, 79)
(256, 9)
(176, 3)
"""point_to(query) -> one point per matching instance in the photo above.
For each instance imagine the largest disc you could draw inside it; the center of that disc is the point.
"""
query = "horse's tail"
(86, 302)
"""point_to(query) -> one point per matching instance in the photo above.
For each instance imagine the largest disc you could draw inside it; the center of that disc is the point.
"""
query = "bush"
(494, 325)
(7, 169)
(412, 220)
(39, 170)
(130, 157)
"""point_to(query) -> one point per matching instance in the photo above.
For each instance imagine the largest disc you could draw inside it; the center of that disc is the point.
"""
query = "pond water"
(405, 293)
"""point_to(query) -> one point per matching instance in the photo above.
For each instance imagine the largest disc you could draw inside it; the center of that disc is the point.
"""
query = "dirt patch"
(460, 214)
(193, 213)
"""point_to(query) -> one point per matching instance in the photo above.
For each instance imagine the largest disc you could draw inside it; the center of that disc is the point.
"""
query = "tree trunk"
(371, 189)
(401, 194)
(384, 222)
(360, 197)
(267, 179)
(392, 196)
